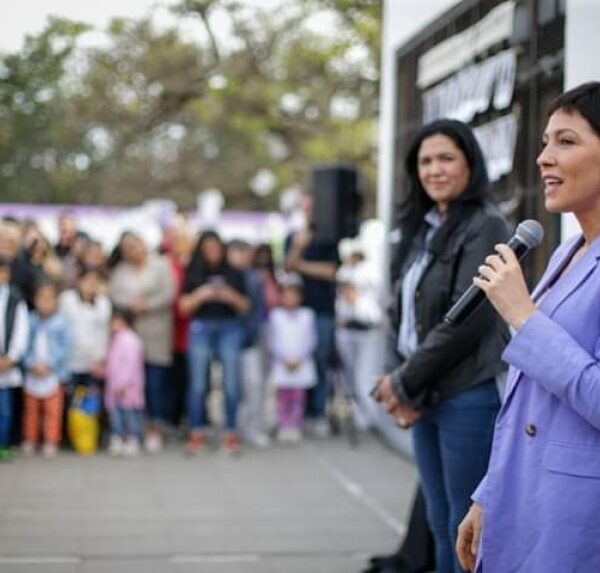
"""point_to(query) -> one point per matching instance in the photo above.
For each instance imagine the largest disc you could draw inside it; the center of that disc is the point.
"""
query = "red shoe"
(195, 444)
(232, 444)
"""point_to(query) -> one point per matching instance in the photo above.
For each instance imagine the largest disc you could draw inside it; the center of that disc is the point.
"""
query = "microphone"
(529, 234)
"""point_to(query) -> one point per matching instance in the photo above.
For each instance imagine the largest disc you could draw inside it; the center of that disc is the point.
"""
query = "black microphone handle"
(474, 296)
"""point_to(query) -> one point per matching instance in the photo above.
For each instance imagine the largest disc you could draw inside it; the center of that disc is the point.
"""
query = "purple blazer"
(541, 494)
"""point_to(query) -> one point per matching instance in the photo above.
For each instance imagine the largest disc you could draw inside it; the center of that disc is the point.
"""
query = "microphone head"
(530, 232)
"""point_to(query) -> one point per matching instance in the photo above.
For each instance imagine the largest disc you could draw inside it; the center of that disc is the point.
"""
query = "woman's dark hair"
(126, 315)
(198, 263)
(263, 258)
(116, 256)
(87, 270)
(584, 99)
(45, 282)
(417, 203)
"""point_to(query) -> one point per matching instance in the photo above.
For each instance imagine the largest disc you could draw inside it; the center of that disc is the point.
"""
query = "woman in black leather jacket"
(442, 378)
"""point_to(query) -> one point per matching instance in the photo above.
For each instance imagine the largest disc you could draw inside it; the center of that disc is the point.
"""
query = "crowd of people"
(152, 332)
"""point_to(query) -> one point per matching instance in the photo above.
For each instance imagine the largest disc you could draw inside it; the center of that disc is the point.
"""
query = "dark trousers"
(416, 553)
(178, 383)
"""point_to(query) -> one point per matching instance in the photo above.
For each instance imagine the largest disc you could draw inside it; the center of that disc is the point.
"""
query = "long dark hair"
(264, 251)
(198, 265)
(417, 203)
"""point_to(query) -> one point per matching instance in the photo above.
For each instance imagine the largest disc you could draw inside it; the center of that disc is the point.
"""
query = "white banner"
(498, 140)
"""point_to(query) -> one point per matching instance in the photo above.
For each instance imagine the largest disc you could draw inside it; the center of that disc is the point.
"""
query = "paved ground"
(320, 507)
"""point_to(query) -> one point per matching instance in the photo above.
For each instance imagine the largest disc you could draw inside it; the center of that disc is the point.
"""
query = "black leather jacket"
(449, 359)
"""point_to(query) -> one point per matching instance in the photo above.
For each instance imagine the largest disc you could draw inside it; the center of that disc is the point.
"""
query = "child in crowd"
(14, 330)
(124, 393)
(46, 369)
(292, 338)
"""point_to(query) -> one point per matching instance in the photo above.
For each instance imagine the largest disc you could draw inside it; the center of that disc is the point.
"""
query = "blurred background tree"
(168, 111)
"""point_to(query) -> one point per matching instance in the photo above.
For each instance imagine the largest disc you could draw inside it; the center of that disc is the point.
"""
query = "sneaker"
(259, 440)
(321, 428)
(5, 455)
(195, 444)
(115, 447)
(28, 449)
(231, 443)
(289, 435)
(49, 451)
(131, 448)
(153, 442)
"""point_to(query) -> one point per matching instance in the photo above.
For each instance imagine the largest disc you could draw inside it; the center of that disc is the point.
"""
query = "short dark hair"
(45, 283)
(584, 99)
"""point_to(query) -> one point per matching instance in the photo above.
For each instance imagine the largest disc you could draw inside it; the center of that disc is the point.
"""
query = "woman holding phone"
(215, 299)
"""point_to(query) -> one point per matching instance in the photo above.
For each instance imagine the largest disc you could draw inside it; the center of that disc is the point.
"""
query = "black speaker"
(337, 202)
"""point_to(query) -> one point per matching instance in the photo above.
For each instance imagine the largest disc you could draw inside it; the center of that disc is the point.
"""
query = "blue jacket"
(541, 494)
(59, 341)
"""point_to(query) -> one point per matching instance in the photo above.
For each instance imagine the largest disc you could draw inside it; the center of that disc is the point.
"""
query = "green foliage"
(158, 114)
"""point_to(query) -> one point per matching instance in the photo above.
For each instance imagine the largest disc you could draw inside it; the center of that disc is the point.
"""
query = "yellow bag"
(83, 422)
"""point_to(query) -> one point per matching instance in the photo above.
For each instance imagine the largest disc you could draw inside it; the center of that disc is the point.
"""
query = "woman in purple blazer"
(538, 508)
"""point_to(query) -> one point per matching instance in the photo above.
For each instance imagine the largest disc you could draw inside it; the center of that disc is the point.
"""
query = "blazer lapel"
(556, 267)
(564, 287)
(572, 279)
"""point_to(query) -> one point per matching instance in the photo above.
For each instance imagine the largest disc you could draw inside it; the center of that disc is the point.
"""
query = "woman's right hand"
(469, 534)
(204, 294)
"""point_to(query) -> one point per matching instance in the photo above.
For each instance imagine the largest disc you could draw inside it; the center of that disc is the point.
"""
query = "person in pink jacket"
(124, 393)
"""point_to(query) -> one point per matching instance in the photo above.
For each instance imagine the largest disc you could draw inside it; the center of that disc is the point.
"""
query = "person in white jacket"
(292, 339)
(87, 311)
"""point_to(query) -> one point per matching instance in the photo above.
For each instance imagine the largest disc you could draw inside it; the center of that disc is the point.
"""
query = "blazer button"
(530, 430)
(419, 328)
(418, 295)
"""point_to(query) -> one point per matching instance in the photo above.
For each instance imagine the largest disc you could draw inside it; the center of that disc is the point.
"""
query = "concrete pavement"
(320, 507)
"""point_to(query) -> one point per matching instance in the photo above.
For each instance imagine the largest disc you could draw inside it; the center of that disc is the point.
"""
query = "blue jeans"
(156, 392)
(125, 422)
(6, 415)
(316, 398)
(221, 339)
(452, 443)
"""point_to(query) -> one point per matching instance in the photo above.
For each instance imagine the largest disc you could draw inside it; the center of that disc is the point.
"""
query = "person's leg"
(253, 379)
(297, 406)
(283, 398)
(179, 384)
(134, 423)
(318, 394)
(426, 441)
(117, 422)
(466, 424)
(18, 408)
(368, 367)
(416, 553)
(31, 419)
(53, 407)
(6, 416)
(117, 431)
(229, 350)
(154, 394)
(350, 349)
(199, 355)
(133, 431)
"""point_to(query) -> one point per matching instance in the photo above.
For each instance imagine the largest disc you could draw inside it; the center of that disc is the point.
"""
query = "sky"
(21, 17)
